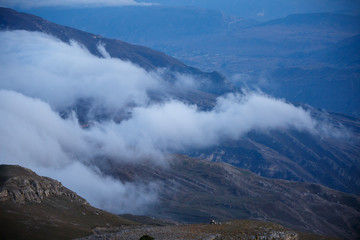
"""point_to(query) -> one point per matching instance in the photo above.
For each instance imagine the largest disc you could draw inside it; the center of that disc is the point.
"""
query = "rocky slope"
(192, 190)
(27, 187)
(322, 158)
(34, 207)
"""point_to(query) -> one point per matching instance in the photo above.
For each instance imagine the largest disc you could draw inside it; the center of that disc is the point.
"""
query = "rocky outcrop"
(29, 187)
(32, 207)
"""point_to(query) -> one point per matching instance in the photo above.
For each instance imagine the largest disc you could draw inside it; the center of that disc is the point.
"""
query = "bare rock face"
(27, 186)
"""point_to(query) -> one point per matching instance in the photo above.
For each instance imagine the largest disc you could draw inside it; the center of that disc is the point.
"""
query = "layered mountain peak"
(22, 185)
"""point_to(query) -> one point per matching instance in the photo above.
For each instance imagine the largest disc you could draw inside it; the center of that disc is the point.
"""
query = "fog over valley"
(54, 75)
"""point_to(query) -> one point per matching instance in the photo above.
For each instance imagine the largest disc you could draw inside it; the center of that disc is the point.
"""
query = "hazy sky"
(260, 10)
(71, 3)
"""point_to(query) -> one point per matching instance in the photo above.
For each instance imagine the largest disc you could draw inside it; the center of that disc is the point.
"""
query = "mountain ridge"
(142, 56)
(263, 55)
(188, 187)
(28, 187)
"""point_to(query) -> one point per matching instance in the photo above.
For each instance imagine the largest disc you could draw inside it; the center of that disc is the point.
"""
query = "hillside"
(194, 190)
(34, 207)
(298, 156)
(40, 206)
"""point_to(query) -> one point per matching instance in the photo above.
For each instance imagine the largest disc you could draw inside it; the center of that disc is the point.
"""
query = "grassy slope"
(191, 190)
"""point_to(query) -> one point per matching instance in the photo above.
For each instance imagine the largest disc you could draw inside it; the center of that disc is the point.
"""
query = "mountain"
(34, 207)
(297, 156)
(279, 56)
(345, 53)
(328, 78)
(193, 190)
(142, 56)
(157, 23)
(191, 33)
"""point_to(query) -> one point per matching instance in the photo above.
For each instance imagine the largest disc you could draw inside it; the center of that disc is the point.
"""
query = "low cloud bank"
(34, 136)
(41, 66)
(41, 75)
(174, 126)
(104, 191)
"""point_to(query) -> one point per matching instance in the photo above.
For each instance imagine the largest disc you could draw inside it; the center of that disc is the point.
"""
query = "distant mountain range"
(280, 56)
(142, 56)
(266, 10)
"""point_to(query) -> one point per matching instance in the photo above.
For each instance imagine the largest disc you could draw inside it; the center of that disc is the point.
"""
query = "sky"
(259, 10)
(42, 76)
(71, 3)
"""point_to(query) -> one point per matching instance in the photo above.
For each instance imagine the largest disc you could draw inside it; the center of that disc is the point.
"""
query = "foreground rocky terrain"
(34, 207)
(246, 230)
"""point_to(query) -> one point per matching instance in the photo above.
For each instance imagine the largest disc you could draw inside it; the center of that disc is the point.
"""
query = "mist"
(41, 75)
(34, 136)
(60, 73)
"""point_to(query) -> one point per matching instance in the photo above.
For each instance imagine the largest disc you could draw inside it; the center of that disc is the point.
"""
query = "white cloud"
(71, 3)
(174, 126)
(41, 66)
(104, 191)
(40, 74)
(34, 136)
